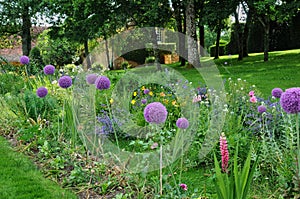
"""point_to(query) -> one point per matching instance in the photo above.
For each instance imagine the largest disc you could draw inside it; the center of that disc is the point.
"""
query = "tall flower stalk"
(224, 153)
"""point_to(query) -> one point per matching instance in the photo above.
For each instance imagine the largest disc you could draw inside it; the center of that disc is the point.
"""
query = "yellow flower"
(134, 93)
(151, 93)
(133, 101)
(143, 88)
(165, 101)
(174, 102)
(111, 101)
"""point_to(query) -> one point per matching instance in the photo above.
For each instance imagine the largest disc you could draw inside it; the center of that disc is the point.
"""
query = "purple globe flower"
(144, 101)
(24, 59)
(261, 109)
(146, 91)
(49, 70)
(155, 112)
(290, 100)
(102, 82)
(182, 123)
(41, 92)
(276, 92)
(91, 78)
(65, 82)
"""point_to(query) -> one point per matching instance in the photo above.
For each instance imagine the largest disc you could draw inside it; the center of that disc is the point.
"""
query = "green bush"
(36, 61)
(150, 60)
(10, 83)
(125, 65)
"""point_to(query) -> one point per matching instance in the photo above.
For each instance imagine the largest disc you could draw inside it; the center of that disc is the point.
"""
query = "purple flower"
(91, 78)
(261, 109)
(184, 187)
(154, 145)
(155, 112)
(102, 82)
(290, 100)
(49, 70)
(182, 123)
(41, 92)
(276, 92)
(144, 101)
(146, 91)
(65, 82)
(24, 59)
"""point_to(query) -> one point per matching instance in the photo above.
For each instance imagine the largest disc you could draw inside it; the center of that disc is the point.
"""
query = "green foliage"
(125, 65)
(150, 59)
(57, 52)
(237, 185)
(36, 61)
(11, 83)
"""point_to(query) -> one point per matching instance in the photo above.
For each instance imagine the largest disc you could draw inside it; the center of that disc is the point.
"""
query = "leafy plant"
(237, 185)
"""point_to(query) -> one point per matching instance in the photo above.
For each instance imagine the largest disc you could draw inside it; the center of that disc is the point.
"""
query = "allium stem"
(298, 148)
(160, 165)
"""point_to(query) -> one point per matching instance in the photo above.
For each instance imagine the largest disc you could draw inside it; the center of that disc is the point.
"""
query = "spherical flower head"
(65, 82)
(155, 112)
(144, 101)
(102, 82)
(49, 70)
(261, 109)
(146, 91)
(154, 145)
(24, 59)
(41, 92)
(182, 123)
(184, 187)
(91, 78)
(276, 92)
(290, 100)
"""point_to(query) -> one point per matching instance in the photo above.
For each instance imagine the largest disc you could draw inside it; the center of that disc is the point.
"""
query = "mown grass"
(282, 70)
(20, 179)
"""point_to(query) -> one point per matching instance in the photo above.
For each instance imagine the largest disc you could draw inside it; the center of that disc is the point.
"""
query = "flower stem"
(160, 165)
(298, 148)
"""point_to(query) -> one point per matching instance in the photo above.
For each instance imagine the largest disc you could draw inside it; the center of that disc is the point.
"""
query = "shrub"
(125, 65)
(150, 60)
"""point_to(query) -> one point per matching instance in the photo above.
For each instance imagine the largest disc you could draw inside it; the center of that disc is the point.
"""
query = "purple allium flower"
(155, 112)
(24, 59)
(261, 109)
(184, 187)
(65, 82)
(276, 92)
(182, 123)
(146, 91)
(91, 78)
(41, 92)
(102, 82)
(49, 70)
(290, 100)
(144, 101)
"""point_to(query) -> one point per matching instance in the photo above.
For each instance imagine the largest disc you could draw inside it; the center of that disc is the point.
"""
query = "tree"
(193, 54)
(273, 10)
(17, 17)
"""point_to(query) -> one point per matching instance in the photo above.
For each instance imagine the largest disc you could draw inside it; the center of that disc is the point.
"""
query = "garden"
(148, 133)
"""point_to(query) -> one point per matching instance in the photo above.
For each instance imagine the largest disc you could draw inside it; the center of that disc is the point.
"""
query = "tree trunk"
(266, 40)
(86, 52)
(265, 22)
(26, 36)
(107, 52)
(218, 42)
(184, 50)
(181, 39)
(193, 55)
(201, 37)
(239, 34)
(246, 33)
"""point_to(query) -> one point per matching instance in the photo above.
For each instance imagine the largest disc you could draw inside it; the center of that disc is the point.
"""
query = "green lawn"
(20, 179)
(282, 70)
